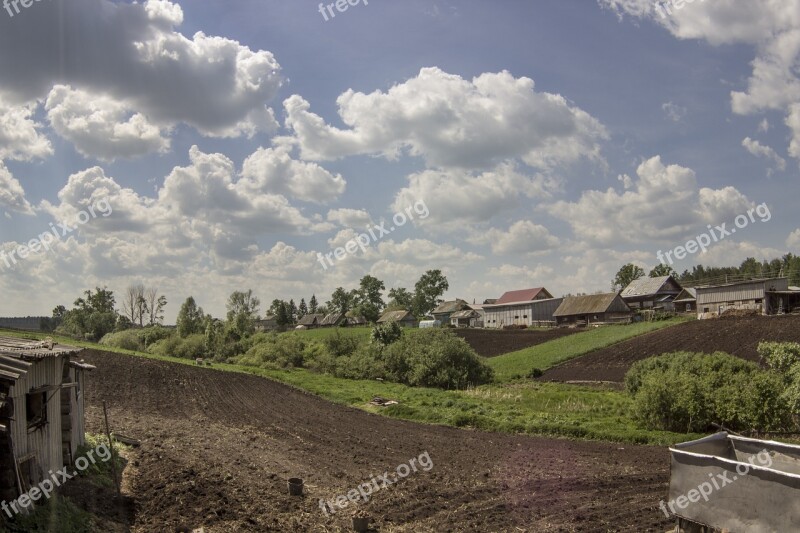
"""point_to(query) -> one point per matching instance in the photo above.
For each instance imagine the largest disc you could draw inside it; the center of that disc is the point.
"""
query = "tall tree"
(154, 305)
(312, 304)
(132, 302)
(400, 298)
(190, 318)
(626, 275)
(242, 312)
(662, 270)
(369, 298)
(282, 314)
(292, 311)
(341, 301)
(302, 309)
(428, 291)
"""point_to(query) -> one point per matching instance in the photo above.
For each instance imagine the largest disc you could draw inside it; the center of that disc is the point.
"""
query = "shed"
(42, 411)
(649, 293)
(332, 320)
(593, 309)
(311, 321)
(527, 307)
(762, 296)
(465, 319)
(444, 310)
(686, 301)
(402, 317)
(268, 323)
(355, 320)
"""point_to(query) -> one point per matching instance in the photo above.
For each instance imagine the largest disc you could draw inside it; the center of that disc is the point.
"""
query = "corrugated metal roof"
(521, 295)
(644, 286)
(522, 303)
(580, 305)
(450, 307)
(17, 347)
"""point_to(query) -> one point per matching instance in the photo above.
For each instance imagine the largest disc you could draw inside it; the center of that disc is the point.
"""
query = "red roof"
(521, 296)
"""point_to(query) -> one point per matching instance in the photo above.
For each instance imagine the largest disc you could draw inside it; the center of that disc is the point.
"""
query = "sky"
(210, 146)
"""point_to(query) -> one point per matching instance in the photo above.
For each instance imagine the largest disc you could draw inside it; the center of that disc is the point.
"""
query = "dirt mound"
(217, 449)
(736, 336)
(491, 342)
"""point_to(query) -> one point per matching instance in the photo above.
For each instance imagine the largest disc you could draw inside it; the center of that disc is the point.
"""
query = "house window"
(705, 309)
(36, 409)
(524, 316)
(516, 317)
(688, 307)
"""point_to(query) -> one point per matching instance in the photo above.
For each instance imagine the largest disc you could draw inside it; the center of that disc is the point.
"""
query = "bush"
(535, 373)
(338, 345)
(386, 333)
(435, 358)
(686, 392)
(281, 351)
(125, 340)
(191, 347)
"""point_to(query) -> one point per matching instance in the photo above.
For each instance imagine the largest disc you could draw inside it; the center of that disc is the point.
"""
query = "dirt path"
(218, 447)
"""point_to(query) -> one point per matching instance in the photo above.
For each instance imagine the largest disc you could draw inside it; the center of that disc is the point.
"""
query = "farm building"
(528, 307)
(686, 301)
(311, 321)
(444, 310)
(652, 293)
(268, 323)
(404, 318)
(764, 296)
(332, 320)
(355, 320)
(593, 309)
(469, 318)
(41, 411)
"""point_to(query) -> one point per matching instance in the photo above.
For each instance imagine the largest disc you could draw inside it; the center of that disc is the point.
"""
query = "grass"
(320, 334)
(513, 406)
(543, 356)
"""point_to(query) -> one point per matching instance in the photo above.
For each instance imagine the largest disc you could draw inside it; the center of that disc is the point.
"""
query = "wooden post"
(111, 448)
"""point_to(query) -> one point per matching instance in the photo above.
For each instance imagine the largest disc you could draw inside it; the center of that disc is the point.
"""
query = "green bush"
(686, 392)
(435, 358)
(125, 340)
(386, 333)
(191, 347)
(281, 351)
(338, 345)
(781, 356)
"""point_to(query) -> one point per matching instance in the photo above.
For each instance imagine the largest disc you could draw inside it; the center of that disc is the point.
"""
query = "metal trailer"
(735, 484)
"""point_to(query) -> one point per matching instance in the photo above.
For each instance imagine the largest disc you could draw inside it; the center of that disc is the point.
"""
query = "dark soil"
(217, 449)
(494, 342)
(736, 336)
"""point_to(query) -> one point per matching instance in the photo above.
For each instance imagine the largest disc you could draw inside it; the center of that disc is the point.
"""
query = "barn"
(593, 309)
(41, 411)
(762, 296)
(445, 310)
(310, 321)
(526, 307)
(652, 293)
(404, 318)
(332, 320)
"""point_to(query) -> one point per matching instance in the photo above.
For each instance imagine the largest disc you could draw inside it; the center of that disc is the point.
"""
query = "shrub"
(386, 333)
(281, 351)
(125, 340)
(688, 392)
(781, 356)
(535, 373)
(338, 345)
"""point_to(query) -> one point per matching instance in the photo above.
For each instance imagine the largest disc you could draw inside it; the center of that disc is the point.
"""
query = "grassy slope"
(543, 356)
(517, 406)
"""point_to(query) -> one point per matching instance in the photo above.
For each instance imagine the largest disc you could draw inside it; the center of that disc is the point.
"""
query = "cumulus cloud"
(157, 76)
(455, 197)
(673, 111)
(523, 237)
(665, 203)
(272, 170)
(451, 122)
(12, 195)
(349, 218)
(19, 135)
(793, 241)
(102, 127)
(759, 150)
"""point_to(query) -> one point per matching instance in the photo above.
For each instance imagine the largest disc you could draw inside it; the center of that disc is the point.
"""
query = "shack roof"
(450, 307)
(396, 316)
(16, 355)
(593, 303)
(647, 286)
(522, 295)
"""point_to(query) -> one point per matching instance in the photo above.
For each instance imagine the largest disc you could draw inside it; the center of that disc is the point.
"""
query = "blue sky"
(551, 141)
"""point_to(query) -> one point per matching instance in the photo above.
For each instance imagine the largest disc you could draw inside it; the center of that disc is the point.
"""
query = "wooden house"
(404, 318)
(652, 293)
(593, 309)
(527, 307)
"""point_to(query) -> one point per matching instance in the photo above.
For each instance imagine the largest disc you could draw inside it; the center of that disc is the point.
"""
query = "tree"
(242, 313)
(302, 309)
(428, 291)
(312, 304)
(154, 305)
(93, 315)
(662, 270)
(214, 333)
(282, 314)
(400, 298)
(132, 302)
(341, 301)
(292, 309)
(190, 318)
(626, 275)
(369, 298)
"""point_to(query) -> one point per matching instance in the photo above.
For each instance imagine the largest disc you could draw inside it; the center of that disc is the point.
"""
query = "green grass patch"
(543, 356)
(320, 334)
(521, 406)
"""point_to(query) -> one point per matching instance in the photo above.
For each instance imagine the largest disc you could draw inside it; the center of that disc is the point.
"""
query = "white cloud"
(100, 126)
(793, 122)
(763, 126)
(759, 150)
(523, 237)
(12, 195)
(140, 59)
(673, 111)
(452, 122)
(19, 135)
(664, 204)
(350, 218)
(793, 241)
(272, 170)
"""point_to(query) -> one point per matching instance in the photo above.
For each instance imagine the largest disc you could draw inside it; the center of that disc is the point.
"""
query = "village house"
(268, 323)
(527, 307)
(469, 318)
(686, 301)
(444, 310)
(402, 317)
(310, 321)
(333, 320)
(593, 309)
(652, 293)
(41, 411)
(763, 296)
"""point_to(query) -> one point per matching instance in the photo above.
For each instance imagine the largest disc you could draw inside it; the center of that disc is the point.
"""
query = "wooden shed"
(41, 411)
(593, 309)
(404, 318)
(761, 296)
